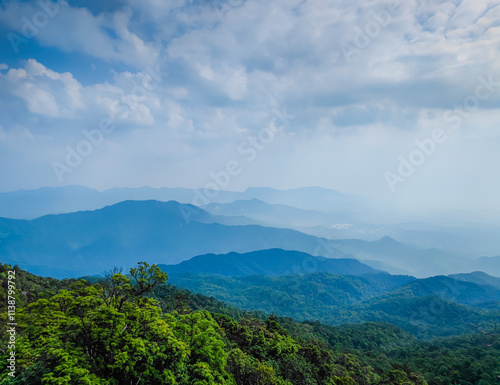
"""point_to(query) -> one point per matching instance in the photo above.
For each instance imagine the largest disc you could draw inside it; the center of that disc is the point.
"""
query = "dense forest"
(137, 329)
(432, 307)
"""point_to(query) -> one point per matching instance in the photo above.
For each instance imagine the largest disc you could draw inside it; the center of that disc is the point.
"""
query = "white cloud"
(72, 29)
(45, 92)
(38, 100)
(229, 70)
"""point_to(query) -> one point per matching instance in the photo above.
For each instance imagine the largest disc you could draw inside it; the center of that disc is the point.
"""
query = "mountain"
(271, 262)
(403, 258)
(478, 277)
(272, 214)
(315, 211)
(475, 239)
(454, 290)
(488, 264)
(29, 204)
(425, 317)
(89, 242)
(314, 296)
(424, 307)
(307, 198)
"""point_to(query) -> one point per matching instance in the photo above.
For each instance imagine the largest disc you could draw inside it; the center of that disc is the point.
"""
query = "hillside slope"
(269, 262)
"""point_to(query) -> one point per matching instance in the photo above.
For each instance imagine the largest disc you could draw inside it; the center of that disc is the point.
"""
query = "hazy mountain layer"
(271, 262)
(90, 242)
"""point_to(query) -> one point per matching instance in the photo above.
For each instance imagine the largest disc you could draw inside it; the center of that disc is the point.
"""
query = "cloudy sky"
(399, 101)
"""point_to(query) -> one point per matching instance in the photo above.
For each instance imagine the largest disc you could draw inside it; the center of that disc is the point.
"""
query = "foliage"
(109, 334)
(137, 330)
(337, 299)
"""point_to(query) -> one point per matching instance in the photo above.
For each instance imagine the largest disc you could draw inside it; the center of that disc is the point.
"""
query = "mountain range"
(270, 262)
(89, 242)
(429, 307)
(316, 211)
(274, 265)
(337, 294)
(30, 204)
(478, 277)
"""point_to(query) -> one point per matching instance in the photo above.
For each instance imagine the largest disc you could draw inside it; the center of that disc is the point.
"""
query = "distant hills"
(90, 242)
(437, 306)
(398, 258)
(316, 211)
(454, 290)
(273, 281)
(478, 277)
(29, 204)
(272, 214)
(271, 262)
(304, 297)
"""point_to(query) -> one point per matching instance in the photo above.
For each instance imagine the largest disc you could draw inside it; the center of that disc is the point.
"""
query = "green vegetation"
(467, 359)
(136, 329)
(427, 308)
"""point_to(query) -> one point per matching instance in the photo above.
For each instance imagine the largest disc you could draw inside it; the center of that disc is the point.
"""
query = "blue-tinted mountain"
(271, 262)
(307, 198)
(388, 252)
(490, 265)
(90, 242)
(279, 214)
(28, 204)
(478, 277)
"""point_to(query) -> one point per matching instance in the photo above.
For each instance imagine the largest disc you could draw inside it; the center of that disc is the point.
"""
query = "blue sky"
(310, 92)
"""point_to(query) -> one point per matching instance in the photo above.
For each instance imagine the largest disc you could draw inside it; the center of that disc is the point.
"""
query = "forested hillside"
(136, 329)
(438, 306)
(270, 262)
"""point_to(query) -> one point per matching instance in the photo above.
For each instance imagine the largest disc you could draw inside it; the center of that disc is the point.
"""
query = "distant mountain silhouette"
(387, 252)
(271, 262)
(490, 265)
(89, 242)
(451, 289)
(278, 214)
(29, 204)
(478, 277)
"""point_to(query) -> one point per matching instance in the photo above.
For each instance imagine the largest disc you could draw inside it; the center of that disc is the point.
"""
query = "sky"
(398, 101)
